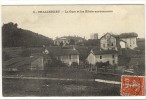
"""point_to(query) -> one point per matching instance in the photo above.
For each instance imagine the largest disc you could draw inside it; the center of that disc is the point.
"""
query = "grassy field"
(65, 72)
(24, 87)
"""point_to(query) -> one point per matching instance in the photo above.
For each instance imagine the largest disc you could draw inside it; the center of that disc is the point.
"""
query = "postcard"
(73, 50)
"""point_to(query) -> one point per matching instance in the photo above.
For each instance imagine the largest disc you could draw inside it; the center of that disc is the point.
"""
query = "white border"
(30, 2)
(48, 2)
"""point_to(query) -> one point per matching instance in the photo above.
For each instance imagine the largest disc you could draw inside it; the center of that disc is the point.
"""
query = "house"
(103, 56)
(62, 40)
(109, 42)
(24, 63)
(68, 40)
(130, 39)
(67, 55)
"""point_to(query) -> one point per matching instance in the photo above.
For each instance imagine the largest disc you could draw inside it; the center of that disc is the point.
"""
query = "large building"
(68, 40)
(110, 47)
(63, 40)
(67, 55)
(130, 39)
(109, 42)
(110, 56)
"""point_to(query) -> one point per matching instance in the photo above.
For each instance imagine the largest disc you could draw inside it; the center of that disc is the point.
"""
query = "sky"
(115, 19)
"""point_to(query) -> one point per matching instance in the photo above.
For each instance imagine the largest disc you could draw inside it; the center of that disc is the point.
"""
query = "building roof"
(70, 37)
(116, 36)
(102, 52)
(128, 35)
(60, 51)
(61, 38)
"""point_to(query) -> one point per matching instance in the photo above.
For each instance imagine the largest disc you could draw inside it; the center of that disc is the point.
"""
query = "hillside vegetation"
(12, 36)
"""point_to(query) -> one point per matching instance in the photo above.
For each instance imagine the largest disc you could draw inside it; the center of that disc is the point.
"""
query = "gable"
(91, 56)
(107, 36)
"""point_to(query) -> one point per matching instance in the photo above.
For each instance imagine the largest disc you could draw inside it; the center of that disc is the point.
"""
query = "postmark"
(132, 85)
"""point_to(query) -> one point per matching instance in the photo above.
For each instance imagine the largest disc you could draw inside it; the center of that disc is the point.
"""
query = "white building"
(103, 56)
(94, 36)
(62, 40)
(108, 42)
(130, 39)
(67, 55)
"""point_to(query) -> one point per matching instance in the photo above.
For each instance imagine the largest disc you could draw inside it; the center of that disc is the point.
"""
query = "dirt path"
(62, 79)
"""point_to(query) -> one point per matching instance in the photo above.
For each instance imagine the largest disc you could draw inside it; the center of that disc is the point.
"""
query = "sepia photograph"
(73, 50)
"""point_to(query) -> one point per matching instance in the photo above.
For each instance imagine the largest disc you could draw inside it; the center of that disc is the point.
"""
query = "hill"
(12, 36)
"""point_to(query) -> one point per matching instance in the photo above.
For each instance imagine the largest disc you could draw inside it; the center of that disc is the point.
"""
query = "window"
(103, 45)
(112, 44)
(113, 56)
(100, 57)
(108, 45)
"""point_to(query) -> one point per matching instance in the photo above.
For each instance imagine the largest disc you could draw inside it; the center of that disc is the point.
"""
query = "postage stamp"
(132, 85)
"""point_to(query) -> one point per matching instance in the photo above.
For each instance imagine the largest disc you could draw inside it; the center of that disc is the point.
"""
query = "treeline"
(12, 36)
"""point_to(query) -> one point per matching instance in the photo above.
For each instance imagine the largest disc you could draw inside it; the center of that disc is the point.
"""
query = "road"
(62, 79)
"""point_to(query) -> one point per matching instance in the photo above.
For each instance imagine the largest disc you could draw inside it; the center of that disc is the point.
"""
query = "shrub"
(74, 64)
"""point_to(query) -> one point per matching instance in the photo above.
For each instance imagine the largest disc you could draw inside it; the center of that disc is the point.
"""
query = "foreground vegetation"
(19, 87)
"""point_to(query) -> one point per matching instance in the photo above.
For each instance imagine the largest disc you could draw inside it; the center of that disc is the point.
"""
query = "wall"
(106, 43)
(130, 42)
(69, 59)
(107, 57)
(64, 41)
(91, 59)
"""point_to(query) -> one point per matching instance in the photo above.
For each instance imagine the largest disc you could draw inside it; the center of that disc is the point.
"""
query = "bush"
(74, 64)
(57, 63)
(102, 64)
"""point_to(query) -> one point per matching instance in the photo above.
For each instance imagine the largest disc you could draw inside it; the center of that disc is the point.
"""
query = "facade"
(103, 56)
(66, 40)
(108, 42)
(69, 59)
(24, 63)
(67, 55)
(62, 40)
(130, 39)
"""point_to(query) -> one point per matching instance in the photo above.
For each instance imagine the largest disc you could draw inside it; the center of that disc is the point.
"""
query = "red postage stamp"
(132, 85)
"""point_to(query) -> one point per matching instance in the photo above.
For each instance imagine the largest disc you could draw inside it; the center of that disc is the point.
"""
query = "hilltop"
(12, 36)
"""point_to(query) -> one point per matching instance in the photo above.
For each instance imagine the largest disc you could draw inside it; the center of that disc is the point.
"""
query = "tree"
(12, 36)
(92, 42)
